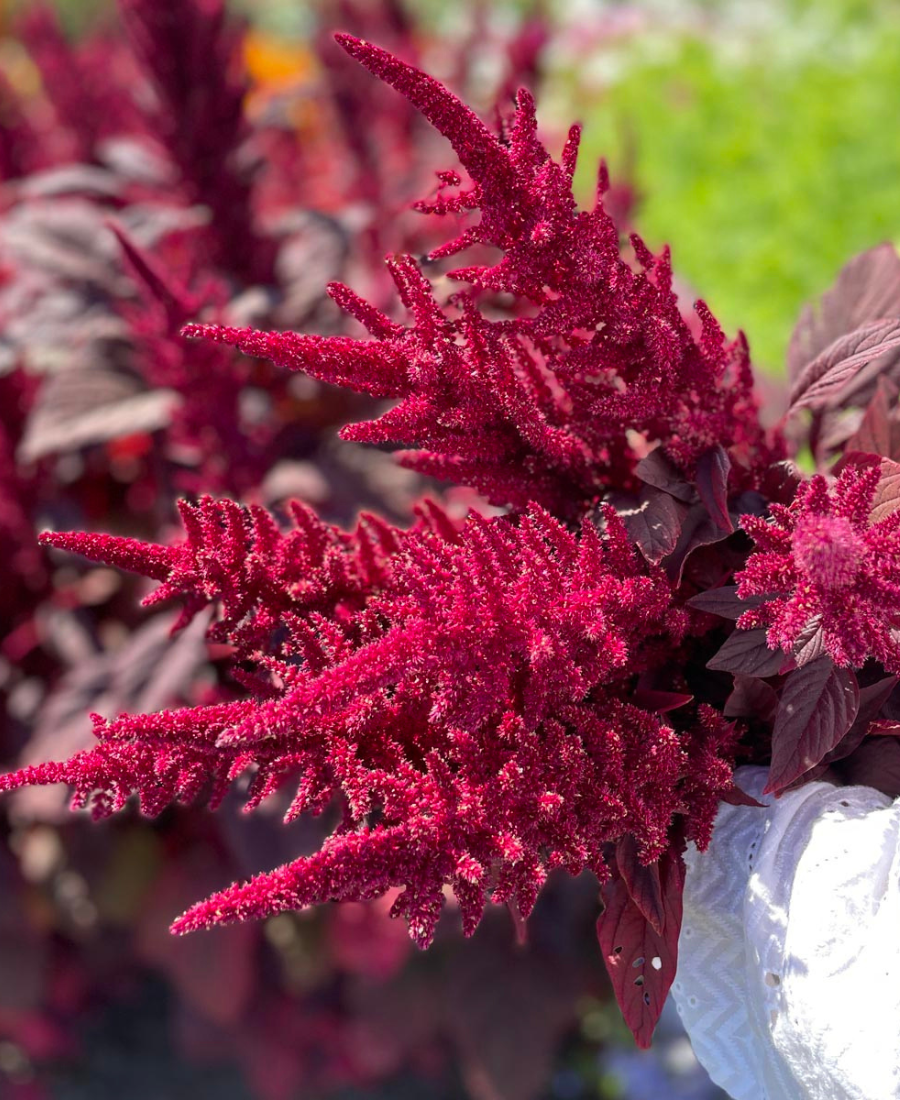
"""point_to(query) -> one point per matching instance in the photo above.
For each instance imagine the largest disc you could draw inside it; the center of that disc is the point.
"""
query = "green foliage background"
(764, 163)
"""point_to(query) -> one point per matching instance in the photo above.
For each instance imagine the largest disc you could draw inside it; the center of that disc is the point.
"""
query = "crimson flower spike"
(470, 693)
(480, 152)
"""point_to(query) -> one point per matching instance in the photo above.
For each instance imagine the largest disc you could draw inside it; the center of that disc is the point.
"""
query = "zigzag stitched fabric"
(789, 958)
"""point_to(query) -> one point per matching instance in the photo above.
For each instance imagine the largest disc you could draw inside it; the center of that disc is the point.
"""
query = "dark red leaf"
(872, 698)
(660, 702)
(698, 529)
(875, 435)
(875, 764)
(745, 651)
(641, 963)
(148, 672)
(780, 482)
(658, 471)
(506, 1010)
(887, 493)
(867, 289)
(836, 366)
(653, 522)
(810, 644)
(643, 883)
(751, 698)
(713, 468)
(92, 404)
(737, 797)
(724, 602)
(818, 705)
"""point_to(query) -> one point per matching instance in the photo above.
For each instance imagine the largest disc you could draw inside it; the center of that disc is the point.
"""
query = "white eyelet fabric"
(788, 976)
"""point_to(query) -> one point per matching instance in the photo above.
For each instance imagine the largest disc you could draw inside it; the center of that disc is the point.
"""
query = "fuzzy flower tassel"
(479, 702)
(829, 565)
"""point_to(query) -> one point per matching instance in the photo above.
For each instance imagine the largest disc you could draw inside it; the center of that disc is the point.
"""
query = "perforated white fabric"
(789, 958)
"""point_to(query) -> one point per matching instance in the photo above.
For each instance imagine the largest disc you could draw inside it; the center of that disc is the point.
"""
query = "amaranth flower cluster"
(546, 683)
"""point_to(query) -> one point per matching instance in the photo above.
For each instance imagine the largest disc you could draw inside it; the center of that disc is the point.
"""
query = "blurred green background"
(763, 135)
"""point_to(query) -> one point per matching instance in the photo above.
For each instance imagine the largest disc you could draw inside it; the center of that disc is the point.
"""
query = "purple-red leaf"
(751, 698)
(698, 529)
(875, 764)
(654, 522)
(780, 481)
(641, 963)
(818, 706)
(878, 434)
(746, 651)
(712, 484)
(659, 702)
(724, 602)
(872, 698)
(810, 643)
(643, 883)
(737, 797)
(836, 366)
(867, 289)
(658, 471)
(887, 492)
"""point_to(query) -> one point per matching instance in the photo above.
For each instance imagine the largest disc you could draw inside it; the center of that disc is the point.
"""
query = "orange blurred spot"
(274, 63)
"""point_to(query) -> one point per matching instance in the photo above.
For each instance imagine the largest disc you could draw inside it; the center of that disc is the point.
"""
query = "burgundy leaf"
(654, 522)
(887, 492)
(751, 698)
(818, 705)
(713, 468)
(658, 471)
(89, 405)
(147, 672)
(724, 602)
(875, 764)
(746, 651)
(641, 963)
(876, 434)
(872, 698)
(867, 289)
(810, 643)
(780, 481)
(698, 529)
(836, 366)
(506, 1011)
(643, 883)
(659, 702)
(737, 797)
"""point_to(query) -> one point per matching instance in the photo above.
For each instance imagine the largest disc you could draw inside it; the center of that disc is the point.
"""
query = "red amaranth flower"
(465, 692)
(538, 407)
(830, 571)
(468, 695)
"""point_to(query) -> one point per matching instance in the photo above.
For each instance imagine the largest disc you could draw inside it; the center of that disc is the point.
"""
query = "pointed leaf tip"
(641, 962)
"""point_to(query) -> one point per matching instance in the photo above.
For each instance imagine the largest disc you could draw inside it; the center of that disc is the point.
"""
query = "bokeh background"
(244, 166)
